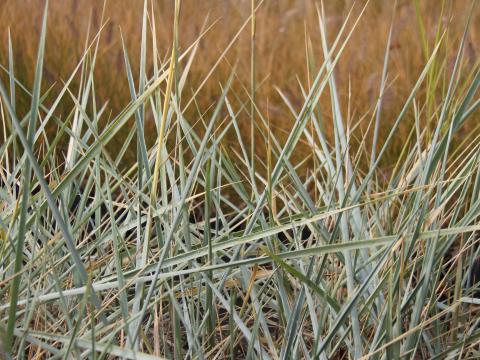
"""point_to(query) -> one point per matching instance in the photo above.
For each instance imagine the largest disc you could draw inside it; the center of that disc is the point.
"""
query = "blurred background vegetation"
(284, 27)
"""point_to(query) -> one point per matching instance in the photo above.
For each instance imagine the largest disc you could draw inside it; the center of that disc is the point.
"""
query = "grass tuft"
(211, 245)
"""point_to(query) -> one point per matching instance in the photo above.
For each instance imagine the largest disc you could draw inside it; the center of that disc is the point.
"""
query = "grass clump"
(208, 247)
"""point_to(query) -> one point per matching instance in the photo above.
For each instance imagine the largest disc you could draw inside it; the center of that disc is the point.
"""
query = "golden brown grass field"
(287, 45)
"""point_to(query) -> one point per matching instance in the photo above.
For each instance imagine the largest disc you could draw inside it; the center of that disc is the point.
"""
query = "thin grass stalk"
(27, 173)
